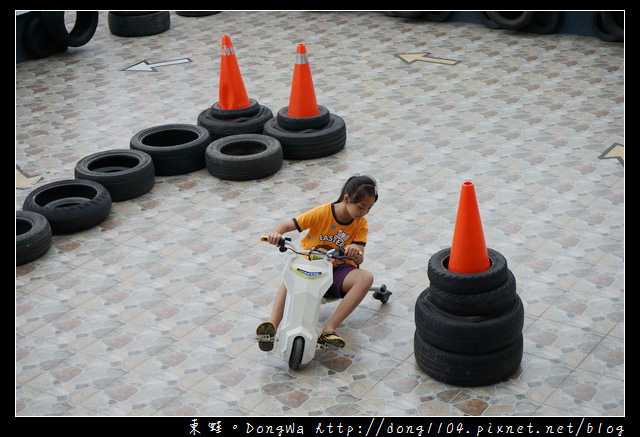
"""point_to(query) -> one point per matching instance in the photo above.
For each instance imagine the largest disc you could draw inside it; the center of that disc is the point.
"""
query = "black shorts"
(339, 273)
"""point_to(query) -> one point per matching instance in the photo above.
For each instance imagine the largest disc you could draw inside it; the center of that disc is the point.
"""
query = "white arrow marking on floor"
(410, 58)
(616, 150)
(23, 181)
(145, 66)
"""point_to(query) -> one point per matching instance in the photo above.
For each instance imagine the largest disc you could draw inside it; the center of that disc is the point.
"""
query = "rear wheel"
(297, 350)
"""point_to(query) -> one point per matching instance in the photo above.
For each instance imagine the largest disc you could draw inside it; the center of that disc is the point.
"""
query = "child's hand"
(274, 238)
(354, 251)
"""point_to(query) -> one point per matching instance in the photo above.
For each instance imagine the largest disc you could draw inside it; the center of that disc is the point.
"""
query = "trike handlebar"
(285, 244)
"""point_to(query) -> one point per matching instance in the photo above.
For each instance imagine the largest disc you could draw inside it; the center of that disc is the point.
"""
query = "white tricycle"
(308, 274)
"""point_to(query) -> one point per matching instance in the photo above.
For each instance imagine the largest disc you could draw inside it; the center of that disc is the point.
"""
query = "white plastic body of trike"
(306, 281)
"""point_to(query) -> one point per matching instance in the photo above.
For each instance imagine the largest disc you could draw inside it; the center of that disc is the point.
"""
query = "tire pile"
(46, 32)
(542, 22)
(73, 205)
(309, 137)
(469, 325)
(606, 25)
(233, 144)
(138, 23)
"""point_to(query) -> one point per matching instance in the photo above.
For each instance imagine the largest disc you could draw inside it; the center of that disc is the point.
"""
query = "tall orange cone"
(302, 101)
(468, 250)
(232, 93)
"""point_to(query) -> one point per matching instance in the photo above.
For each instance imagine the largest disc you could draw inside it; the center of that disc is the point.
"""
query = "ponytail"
(357, 187)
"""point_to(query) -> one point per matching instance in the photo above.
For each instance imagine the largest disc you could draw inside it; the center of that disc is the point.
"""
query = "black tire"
(196, 13)
(438, 16)
(310, 143)
(454, 282)
(139, 24)
(600, 30)
(81, 33)
(297, 351)
(230, 114)
(319, 121)
(545, 22)
(33, 236)
(174, 148)
(70, 205)
(131, 13)
(476, 304)
(219, 128)
(244, 157)
(404, 14)
(126, 173)
(467, 334)
(468, 370)
(36, 42)
(486, 20)
(512, 20)
(613, 22)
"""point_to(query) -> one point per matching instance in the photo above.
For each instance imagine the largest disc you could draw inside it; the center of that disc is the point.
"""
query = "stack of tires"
(225, 122)
(307, 137)
(74, 205)
(608, 25)
(46, 32)
(543, 22)
(138, 23)
(469, 325)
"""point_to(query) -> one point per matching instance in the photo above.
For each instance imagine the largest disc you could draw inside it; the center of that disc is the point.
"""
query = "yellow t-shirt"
(326, 232)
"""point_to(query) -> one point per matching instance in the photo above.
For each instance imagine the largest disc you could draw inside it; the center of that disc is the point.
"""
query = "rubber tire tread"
(76, 217)
(467, 334)
(600, 30)
(142, 24)
(82, 32)
(476, 304)
(196, 13)
(518, 22)
(468, 370)
(36, 43)
(545, 22)
(35, 241)
(312, 143)
(319, 121)
(219, 128)
(245, 166)
(297, 352)
(613, 22)
(178, 158)
(225, 114)
(123, 184)
(484, 18)
(454, 282)
(436, 16)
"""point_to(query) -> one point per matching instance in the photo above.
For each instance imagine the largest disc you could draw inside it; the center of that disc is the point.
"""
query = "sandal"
(265, 332)
(331, 338)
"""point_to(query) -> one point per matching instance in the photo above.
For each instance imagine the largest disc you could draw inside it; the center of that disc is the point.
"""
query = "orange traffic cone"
(302, 101)
(232, 94)
(468, 251)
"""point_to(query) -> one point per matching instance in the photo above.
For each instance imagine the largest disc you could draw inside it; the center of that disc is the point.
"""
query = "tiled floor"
(153, 311)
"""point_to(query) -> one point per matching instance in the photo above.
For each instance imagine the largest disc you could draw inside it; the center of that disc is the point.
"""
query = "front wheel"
(297, 350)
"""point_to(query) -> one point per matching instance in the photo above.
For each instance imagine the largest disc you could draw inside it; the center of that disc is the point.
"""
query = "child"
(332, 225)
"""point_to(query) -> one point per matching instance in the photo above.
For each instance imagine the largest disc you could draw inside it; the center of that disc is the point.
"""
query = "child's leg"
(266, 330)
(277, 310)
(356, 285)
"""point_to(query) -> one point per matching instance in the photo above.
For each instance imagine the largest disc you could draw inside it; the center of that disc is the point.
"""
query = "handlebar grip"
(282, 240)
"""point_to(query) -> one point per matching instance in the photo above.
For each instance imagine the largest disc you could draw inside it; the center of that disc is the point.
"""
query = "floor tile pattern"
(153, 311)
